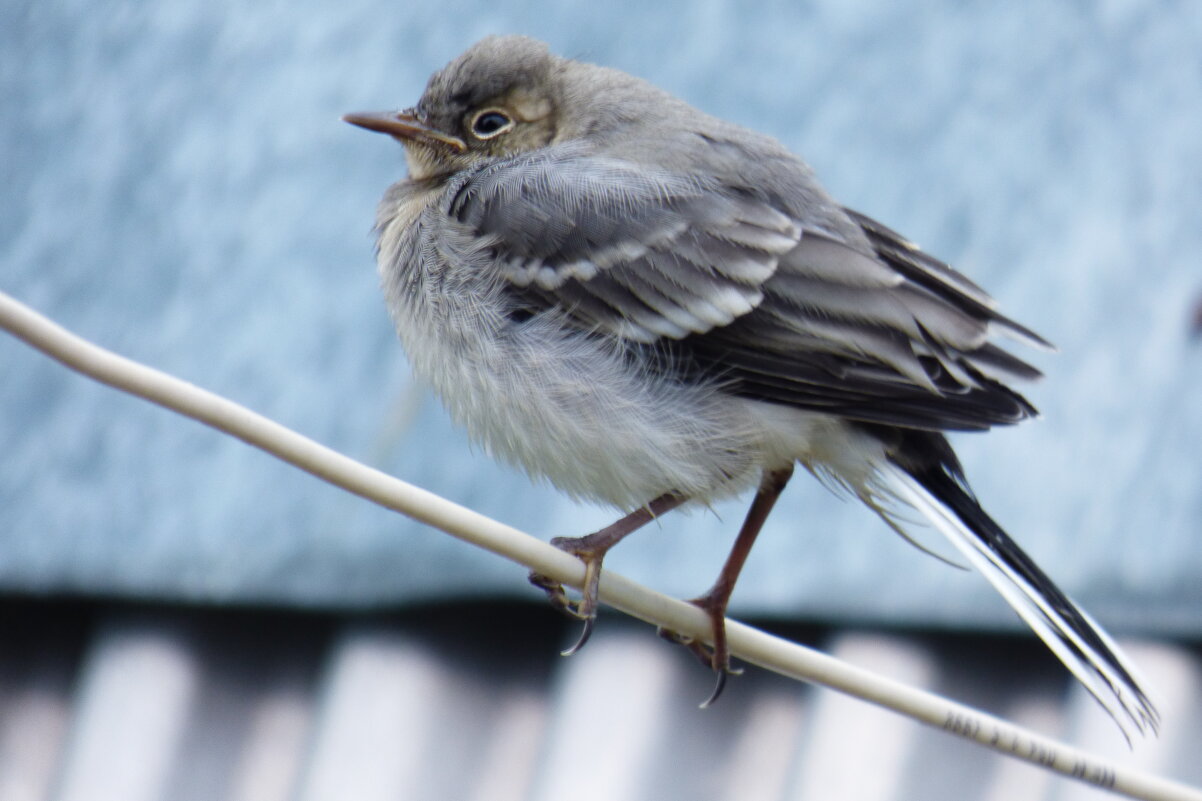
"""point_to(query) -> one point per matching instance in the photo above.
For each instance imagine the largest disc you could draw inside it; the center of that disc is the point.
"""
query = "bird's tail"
(940, 493)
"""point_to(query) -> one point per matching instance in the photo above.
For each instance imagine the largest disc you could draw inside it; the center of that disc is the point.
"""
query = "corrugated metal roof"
(471, 702)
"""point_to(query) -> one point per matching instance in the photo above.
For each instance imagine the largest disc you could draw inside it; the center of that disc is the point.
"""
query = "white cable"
(750, 645)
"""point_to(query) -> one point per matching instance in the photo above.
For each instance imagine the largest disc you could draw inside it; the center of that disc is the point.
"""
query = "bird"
(651, 307)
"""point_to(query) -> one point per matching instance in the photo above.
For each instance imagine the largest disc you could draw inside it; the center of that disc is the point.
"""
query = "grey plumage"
(649, 305)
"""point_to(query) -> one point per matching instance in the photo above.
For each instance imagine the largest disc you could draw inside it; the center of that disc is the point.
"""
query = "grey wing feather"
(622, 249)
(715, 282)
(897, 352)
(909, 260)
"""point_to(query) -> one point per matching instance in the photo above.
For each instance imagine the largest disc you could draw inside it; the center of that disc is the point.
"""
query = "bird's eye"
(491, 122)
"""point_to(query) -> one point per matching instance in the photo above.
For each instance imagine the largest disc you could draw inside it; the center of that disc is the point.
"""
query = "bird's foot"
(591, 550)
(584, 608)
(715, 656)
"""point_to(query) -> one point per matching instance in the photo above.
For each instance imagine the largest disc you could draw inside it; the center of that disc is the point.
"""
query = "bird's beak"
(405, 126)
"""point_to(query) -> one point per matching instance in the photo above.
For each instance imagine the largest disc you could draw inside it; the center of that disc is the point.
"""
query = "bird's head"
(500, 98)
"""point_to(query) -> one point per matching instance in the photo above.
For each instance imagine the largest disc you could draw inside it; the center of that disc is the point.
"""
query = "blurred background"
(182, 617)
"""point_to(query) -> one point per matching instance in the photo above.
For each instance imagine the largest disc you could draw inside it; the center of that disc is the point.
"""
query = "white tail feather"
(1123, 700)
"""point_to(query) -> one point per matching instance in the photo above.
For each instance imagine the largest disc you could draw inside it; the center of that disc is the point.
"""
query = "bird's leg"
(715, 600)
(591, 550)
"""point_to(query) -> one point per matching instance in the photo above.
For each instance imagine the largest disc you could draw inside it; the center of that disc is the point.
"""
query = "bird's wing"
(717, 282)
(913, 348)
(624, 251)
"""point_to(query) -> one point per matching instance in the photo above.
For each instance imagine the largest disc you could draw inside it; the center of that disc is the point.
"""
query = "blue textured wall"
(177, 186)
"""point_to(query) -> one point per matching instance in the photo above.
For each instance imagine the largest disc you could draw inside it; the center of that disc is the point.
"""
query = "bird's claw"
(586, 631)
(558, 597)
(585, 607)
(708, 657)
(556, 594)
(719, 686)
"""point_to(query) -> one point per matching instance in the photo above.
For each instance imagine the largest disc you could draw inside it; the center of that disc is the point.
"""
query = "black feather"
(929, 459)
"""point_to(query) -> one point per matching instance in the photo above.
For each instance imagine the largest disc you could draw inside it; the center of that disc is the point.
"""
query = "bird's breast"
(573, 407)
